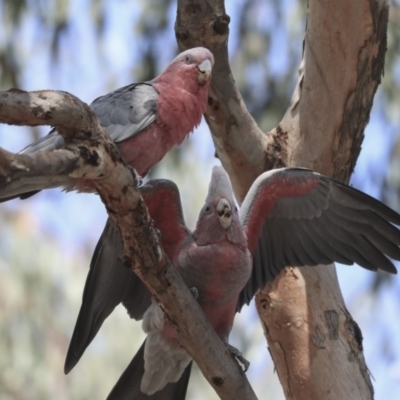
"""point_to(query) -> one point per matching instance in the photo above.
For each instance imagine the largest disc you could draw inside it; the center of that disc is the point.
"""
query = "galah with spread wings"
(290, 216)
(144, 119)
(214, 260)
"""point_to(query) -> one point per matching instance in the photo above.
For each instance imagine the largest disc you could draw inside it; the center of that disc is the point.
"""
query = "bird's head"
(191, 69)
(218, 218)
(196, 62)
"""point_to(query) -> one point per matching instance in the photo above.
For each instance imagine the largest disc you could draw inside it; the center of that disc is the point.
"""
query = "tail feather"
(128, 385)
(21, 196)
(28, 186)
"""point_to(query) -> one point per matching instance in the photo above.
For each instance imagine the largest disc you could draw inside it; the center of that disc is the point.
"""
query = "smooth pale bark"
(314, 342)
(89, 154)
(343, 60)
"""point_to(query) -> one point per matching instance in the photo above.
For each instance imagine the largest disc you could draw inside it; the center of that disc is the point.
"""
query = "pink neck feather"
(181, 104)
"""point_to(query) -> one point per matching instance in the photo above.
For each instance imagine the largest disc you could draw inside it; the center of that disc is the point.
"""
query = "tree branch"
(332, 101)
(47, 107)
(89, 154)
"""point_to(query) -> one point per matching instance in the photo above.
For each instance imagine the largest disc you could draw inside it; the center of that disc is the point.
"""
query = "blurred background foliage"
(90, 47)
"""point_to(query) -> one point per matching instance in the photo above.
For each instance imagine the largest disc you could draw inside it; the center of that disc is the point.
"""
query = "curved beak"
(224, 211)
(205, 69)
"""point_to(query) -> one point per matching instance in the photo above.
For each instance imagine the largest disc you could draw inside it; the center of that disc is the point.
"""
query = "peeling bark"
(90, 154)
(314, 342)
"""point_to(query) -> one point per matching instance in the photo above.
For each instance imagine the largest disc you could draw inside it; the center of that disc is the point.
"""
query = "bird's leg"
(194, 292)
(238, 355)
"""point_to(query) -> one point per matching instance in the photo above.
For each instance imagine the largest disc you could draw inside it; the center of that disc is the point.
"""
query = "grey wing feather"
(28, 186)
(122, 113)
(127, 111)
(128, 385)
(108, 284)
(330, 223)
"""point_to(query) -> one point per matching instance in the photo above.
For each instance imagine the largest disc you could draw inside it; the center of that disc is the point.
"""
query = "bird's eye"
(236, 209)
(208, 209)
(187, 59)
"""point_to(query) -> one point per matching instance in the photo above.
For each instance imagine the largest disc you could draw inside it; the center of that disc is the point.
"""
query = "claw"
(238, 355)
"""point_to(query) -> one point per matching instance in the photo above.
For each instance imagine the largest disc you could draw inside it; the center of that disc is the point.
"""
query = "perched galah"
(290, 216)
(145, 120)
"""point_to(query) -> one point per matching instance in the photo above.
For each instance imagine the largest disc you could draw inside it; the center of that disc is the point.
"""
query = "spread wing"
(110, 283)
(123, 113)
(296, 217)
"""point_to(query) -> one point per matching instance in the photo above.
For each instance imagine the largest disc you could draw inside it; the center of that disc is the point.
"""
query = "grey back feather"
(127, 111)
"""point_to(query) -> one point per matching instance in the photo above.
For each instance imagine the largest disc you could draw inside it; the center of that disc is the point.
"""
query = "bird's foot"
(238, 355)
(194, 292)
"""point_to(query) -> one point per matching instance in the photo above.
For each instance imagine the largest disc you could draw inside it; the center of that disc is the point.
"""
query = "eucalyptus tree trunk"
(314, 342)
